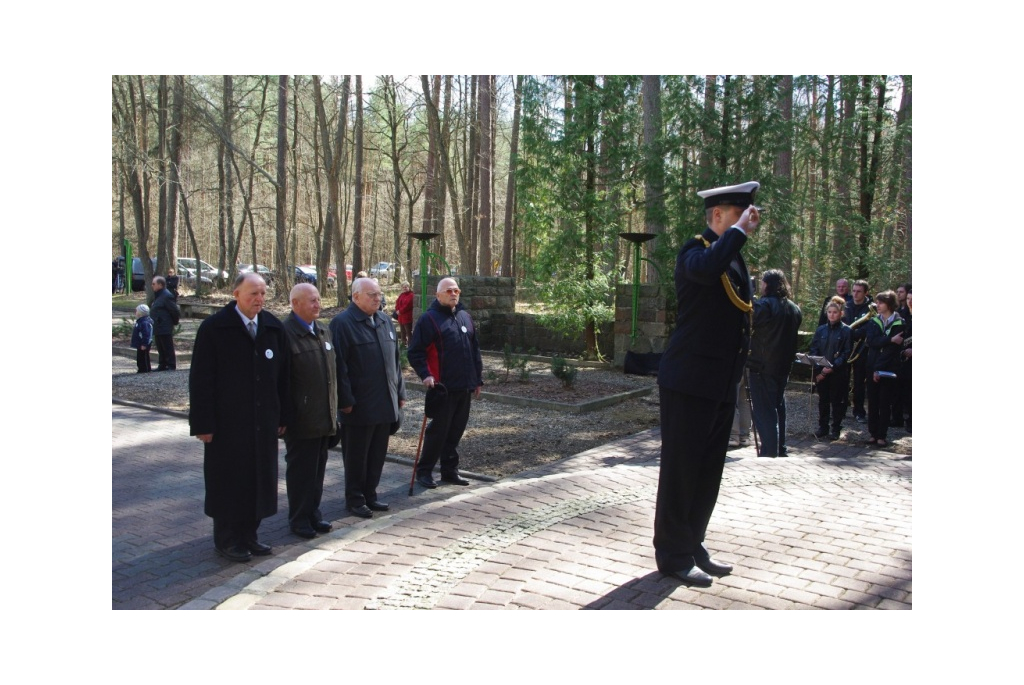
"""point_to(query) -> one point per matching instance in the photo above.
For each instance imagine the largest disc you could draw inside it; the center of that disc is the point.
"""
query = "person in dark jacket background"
(772, 351)
(832, 341)
(238, 406)
(884, 341)
(856, 307)
(445, 349)
(166, 314)
(313, 408)
(371, 393)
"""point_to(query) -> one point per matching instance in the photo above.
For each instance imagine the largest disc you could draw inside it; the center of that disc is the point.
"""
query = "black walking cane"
(412, 481)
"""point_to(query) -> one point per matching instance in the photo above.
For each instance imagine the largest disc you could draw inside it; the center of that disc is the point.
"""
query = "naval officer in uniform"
(697, 381)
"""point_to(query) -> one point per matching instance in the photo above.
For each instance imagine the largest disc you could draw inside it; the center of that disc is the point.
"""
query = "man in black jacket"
(772, 351)
(857, 308)
(165, 313)
(445, 349)
(314, 410)
(697, 382)
(371, 393)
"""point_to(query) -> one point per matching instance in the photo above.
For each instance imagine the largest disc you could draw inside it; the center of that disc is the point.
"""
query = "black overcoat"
(238, 391)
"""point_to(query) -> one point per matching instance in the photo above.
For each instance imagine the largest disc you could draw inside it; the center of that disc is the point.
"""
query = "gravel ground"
(502, 439)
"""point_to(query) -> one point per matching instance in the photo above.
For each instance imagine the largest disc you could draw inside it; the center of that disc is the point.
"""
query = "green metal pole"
(423, 275)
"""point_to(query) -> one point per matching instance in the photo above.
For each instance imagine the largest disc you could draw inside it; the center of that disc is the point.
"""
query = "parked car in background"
(305, 274)
(208, 270)
(382, 271)
(188, 277)
(138, 275)
(267, 274)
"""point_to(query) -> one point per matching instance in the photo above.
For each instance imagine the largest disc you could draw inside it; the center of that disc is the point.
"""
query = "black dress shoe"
(304, 532)
(454, 479)
(426, 480)
(712, 567)
(691, 577)
(234, 553)
(258, 548)
(378, 506)
(362, 511)
(321, 526)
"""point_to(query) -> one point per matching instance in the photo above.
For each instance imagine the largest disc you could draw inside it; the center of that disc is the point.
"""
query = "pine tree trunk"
(281, 185)
(507, 268)
(484, 215)
(654, 178)
(357, 214)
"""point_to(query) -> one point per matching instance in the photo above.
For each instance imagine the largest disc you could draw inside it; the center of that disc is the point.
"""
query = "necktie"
(252, 330)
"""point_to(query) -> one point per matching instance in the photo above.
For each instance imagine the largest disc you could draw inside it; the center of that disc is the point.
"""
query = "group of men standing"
(255, 379)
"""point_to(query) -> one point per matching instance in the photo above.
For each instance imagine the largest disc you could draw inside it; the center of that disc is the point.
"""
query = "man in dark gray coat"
(165, 314)
(238, 406)
(314, 410)
(371, 393)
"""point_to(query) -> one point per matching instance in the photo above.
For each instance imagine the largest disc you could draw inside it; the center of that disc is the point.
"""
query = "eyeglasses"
(374, 296)
(453, 291)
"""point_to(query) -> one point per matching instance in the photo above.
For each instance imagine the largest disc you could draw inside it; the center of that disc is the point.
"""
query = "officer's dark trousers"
(694, 439)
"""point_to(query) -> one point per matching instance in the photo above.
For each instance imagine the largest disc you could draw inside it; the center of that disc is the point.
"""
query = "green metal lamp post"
(425, 255)
(637, 239)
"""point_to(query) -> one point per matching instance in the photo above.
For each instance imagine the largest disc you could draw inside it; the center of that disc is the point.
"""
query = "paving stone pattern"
(828, 528)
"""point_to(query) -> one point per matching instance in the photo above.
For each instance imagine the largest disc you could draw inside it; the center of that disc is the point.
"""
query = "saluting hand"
(749, 219)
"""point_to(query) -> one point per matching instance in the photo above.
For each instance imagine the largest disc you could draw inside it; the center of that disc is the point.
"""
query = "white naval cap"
(741, 195)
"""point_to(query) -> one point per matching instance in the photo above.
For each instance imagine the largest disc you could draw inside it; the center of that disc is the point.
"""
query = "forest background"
(529, 176)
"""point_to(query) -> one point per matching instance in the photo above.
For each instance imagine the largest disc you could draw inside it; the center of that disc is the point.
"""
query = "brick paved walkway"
(830, 527)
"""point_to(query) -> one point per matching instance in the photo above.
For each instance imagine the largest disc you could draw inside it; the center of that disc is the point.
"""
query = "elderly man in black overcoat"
(238, 391)
(697, 381)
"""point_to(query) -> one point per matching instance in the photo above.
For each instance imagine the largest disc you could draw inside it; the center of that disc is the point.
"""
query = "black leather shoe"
(362, 511)
(426, 481)
(321, 526)
(234, 553)
(712, 567)
(691, 577)
(821, 432)
(304, 532)
(258, 548)
(378, 506)
(454, 479)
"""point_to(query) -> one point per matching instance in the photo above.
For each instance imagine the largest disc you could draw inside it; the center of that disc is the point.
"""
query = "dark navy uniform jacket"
(709, 346)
